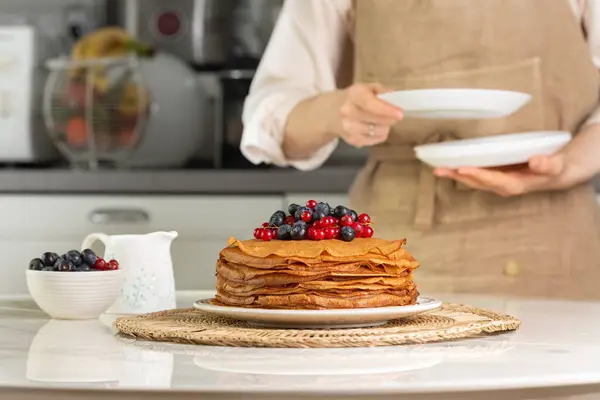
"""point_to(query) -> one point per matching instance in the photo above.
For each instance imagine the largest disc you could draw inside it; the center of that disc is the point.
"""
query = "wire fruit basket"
(95, 110)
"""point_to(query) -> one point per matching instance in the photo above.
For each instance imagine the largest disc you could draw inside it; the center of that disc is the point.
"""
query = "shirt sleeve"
(300, 61)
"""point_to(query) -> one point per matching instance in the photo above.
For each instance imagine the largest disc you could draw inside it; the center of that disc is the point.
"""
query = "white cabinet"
(34, 224)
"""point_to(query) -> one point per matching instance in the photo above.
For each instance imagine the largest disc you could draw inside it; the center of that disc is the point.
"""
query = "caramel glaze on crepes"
(327, 274)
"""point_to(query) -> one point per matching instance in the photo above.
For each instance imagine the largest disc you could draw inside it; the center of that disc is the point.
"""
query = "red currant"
(335, 221)
(367, 232)
(267, 235)
(329, 233)
(290, 220)
(310, 233)
(100, 264)
(113, 265)
(306, 216)
(258, 233)
(319, 234)
(364, 219)
(311, 204)
(325, 222)
(317, 224)
(358, 228)
(346, 220)
(265, 224)
(337, 233)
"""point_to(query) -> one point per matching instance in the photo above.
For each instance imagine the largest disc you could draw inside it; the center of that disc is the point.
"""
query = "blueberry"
(354, 215)
(340, 211)
(298, 215)
(49, 259)
(284, 232)
(322, 208)
(36, 264)
(74, 257)
(293, 208)
(89, 257)
(58, 262)
(317, 215)
(65, 266)
(48, 269)
(84, 268)
(347, 233)
(298, 231)
(277, 219)
(304, 224)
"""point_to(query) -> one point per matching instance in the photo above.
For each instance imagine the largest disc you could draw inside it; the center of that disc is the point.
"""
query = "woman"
(533, 231)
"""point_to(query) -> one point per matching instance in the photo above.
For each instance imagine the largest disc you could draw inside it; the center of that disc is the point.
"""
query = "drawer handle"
(119, 216)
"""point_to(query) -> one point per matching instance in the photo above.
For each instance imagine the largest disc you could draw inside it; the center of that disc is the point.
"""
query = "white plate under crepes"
(457, 103)
(319, 319)
(492, 151)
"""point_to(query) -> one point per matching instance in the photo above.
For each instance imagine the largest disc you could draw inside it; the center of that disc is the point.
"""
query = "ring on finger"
(371, 130)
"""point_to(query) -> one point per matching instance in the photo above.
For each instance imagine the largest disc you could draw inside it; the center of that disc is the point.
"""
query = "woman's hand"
(365, 119)
(541, 173)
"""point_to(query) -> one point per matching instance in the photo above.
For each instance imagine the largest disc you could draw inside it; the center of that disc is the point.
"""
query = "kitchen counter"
(556, 352)
(185, 181)
(257, 181)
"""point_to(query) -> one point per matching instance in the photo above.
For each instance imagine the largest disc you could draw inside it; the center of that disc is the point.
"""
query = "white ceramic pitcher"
(146, 259)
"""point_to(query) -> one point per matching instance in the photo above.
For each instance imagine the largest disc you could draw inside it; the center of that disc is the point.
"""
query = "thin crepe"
(316, 300)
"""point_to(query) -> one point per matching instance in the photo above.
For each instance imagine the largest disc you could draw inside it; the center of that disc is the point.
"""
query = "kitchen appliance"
(30, 32)
(197, 31)
(23, 139)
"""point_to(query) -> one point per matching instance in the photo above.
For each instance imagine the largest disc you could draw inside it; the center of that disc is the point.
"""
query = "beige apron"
(543, 244)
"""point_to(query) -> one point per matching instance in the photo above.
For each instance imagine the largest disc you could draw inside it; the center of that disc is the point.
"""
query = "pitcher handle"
(92, 237)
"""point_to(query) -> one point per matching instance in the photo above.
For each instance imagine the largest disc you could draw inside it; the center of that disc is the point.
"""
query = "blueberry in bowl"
(75, 286)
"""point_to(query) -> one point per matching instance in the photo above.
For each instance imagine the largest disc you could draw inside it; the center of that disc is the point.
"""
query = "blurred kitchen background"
(163, 156)
(180, 169)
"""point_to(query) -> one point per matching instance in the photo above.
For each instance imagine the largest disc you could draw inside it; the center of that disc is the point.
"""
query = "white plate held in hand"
(319, 319)
(492, 151)
(457, 103)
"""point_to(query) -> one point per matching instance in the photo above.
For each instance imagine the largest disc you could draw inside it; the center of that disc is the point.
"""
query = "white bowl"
(74, 295)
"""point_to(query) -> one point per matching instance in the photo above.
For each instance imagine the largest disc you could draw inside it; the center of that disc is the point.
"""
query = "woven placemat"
(191, 326)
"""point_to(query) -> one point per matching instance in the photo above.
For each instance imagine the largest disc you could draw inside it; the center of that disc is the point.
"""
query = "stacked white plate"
(457, 103)
(492, 151)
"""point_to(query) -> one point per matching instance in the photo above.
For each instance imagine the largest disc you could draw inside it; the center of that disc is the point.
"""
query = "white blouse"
(301, 61)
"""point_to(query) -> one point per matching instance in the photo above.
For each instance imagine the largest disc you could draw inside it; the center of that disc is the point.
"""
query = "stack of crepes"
(328, 274)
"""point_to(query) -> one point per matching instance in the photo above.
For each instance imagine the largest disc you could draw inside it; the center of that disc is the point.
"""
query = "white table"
(555, 353)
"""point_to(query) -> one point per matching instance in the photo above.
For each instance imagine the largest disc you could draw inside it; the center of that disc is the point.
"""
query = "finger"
(499, 182)
(453, 174)
(357, 134)
(443, 172)
(351, 111)
(378, 88)
(357, 128)
(364, 98)
(364, 141)
(547, 165)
